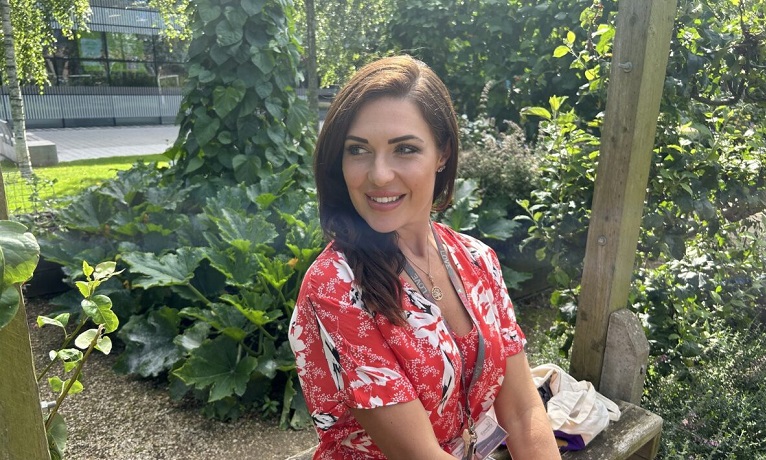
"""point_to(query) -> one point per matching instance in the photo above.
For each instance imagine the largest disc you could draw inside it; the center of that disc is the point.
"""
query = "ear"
(444, 156)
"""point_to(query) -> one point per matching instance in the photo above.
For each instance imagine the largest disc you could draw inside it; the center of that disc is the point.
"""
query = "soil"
(119, 417)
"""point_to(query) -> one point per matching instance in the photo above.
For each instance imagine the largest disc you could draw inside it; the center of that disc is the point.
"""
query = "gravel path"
(119, 417)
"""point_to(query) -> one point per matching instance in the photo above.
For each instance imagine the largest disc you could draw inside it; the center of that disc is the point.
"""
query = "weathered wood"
(22, 433)
(640, 57)
(625, 359)
(637, 431)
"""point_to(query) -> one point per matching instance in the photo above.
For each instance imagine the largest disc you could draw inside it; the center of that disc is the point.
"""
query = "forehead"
(389, 115)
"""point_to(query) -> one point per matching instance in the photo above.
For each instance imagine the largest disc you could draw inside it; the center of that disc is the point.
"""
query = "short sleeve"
(341, 357)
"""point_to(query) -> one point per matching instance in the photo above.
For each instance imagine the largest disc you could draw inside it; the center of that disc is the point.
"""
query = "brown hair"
(375, 257)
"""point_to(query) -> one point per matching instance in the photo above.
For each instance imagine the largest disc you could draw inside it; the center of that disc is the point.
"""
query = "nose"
(380, 172)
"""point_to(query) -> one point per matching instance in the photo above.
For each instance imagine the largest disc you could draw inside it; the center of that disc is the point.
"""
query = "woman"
(403, 332)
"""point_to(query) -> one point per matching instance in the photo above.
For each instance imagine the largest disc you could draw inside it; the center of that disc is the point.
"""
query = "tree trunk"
(17, 103)
(313, 83)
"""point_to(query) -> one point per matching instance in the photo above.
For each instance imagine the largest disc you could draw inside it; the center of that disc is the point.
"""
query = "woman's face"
(390, 161)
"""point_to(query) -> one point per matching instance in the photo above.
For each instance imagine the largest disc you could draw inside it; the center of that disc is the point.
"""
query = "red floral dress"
(348, 357)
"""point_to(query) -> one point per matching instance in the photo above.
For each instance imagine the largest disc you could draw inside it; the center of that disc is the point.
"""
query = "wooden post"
(22, 433)
(641, 48)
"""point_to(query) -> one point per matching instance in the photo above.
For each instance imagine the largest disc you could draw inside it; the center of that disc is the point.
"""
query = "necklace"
(436, 291)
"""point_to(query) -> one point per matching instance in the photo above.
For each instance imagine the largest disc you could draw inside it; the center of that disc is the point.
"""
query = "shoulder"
(331, 264)
(329, 283)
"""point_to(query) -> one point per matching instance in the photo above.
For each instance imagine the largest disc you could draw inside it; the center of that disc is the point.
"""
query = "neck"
(418, 244)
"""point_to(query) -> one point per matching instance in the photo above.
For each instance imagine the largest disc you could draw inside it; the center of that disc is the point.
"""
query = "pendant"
(437, 293)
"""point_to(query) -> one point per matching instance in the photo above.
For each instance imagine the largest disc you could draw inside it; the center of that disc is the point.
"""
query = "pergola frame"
(640, 57)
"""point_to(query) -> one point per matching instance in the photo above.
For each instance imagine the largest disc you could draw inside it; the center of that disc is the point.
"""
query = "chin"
(382, 226)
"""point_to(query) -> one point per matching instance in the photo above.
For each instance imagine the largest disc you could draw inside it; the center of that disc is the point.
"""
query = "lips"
(385, 199)
(384, 203)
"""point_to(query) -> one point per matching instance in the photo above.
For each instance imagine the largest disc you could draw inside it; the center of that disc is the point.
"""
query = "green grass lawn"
(53, 184)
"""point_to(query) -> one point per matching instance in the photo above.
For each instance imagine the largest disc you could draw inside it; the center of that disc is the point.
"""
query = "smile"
(385, 199)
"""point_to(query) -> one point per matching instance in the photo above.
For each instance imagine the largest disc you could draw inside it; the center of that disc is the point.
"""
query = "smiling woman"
(389, 165)
(391, 365)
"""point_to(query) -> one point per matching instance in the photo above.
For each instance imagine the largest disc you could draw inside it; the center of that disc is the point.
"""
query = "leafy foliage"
(715, 409)
(500, 159)
(345, 38)
(95, 309)
(211, 276)
(240, 117)
(19, 254)
(213, 248)
(512, 42)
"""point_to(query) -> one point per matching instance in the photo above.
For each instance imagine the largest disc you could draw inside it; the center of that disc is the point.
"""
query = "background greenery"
(52, 185)
(214, 246)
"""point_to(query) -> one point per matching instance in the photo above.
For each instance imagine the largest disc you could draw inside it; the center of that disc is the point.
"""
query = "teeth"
(384, 199)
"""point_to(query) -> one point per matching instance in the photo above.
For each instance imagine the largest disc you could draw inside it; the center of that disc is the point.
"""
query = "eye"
(355, 149)
(407, 149)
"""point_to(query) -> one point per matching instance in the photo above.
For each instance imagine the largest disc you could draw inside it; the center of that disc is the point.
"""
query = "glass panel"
(130, 47)
(83, 73)
(92, 45)
(129, 73)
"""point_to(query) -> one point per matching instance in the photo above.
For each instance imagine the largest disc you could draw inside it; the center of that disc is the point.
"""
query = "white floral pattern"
(347, 357)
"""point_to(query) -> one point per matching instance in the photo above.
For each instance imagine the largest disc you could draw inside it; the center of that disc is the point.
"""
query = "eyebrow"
(390, 141)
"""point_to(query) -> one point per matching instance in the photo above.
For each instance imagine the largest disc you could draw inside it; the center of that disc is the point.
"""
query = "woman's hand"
(521, 412)
(402, 431)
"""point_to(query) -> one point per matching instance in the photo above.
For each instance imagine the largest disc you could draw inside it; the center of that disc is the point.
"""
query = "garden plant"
(213, 248)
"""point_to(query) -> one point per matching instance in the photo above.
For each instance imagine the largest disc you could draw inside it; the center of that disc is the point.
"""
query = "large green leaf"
(259, 308)
(226, 98)
(166, 270)
(9, 304)
(90, 212)
(219, 366)
(227, 33)
(245, 232)
(238, 266)
(253, 7)
(20, 252)
(149, 343)
(205, 129)
(222, 317)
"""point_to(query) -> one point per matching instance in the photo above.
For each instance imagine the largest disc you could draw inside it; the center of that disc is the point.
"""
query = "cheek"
(352, 174)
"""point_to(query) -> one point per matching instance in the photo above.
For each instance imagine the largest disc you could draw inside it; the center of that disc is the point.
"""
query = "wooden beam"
(641, 47)
(22, 433)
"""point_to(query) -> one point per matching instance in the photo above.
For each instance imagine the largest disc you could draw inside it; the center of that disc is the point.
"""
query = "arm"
(402, 431)
(521, 413)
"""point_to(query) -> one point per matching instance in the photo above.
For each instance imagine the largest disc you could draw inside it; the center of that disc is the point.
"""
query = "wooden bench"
(636, 436)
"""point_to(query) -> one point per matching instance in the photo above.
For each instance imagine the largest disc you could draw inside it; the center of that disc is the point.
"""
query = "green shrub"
(715, 410)
(211, 277)
(504, 165)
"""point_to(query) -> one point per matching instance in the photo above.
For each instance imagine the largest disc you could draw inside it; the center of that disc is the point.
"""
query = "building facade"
(121, 72)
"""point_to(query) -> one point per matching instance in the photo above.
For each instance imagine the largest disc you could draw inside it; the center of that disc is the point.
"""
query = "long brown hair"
(375, 257)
